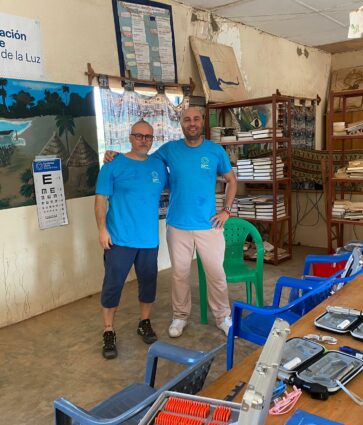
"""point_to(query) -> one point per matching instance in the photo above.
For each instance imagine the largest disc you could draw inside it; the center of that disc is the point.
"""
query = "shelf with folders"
(340, 209)
(270, 172)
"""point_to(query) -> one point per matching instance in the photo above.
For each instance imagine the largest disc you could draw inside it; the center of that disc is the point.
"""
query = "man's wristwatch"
(228, 210)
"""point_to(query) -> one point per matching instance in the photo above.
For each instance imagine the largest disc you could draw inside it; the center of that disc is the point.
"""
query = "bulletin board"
(145, 40)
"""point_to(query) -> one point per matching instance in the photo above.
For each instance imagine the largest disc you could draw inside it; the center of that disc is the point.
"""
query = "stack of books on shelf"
(261, 207)
(339, 128)
(220, 197)
(223, 134)
(220, 201)
(355, 169)
(355, 127)
(347, 210)
(263, 168)
(265, 207)
(246, 207)
(265, 133)
(244, 136)
(234, 208)
(244, 169)
(215, 134)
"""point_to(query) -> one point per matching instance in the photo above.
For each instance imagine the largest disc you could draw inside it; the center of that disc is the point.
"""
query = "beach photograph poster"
(46, 118)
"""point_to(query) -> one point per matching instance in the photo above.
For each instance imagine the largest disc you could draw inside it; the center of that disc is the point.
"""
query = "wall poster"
(145, 40)
(49, 191)
(43, 118)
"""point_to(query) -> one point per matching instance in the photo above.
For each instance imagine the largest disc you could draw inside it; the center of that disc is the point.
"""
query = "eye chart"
(49, 192)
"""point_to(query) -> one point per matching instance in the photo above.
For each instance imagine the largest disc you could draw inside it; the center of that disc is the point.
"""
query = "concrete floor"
(59, 353)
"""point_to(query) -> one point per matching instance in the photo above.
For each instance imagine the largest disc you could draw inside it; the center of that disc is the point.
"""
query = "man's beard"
(194, 137)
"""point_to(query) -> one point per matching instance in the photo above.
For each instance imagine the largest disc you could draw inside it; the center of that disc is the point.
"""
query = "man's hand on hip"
(219, 219)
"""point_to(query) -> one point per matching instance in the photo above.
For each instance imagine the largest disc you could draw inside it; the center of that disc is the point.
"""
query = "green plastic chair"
(236, 231)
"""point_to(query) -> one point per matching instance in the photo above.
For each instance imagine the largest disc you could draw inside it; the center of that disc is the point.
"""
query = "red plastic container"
(327, 270)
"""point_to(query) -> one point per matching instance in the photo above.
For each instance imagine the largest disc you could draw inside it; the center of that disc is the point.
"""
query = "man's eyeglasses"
(139, 137)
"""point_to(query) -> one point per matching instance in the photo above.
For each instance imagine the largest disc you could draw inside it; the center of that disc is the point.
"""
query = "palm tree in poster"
(65, 91)
(65, 124)
(3, 83)
(27, 188)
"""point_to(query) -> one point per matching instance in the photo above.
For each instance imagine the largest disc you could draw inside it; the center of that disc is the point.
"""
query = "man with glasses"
(127, 213)
(192, 220)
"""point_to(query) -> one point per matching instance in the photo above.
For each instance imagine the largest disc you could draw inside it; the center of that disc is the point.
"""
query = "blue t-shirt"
(134, 189)
(192, 181)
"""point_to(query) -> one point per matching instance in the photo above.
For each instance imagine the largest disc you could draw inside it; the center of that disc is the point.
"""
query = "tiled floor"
(59, 353)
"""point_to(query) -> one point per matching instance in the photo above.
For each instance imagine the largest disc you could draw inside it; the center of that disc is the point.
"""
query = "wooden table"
(339, 406)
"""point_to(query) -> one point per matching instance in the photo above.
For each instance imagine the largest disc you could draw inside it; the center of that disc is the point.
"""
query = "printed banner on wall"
(49, 191)
(44, 118)
(20, 48)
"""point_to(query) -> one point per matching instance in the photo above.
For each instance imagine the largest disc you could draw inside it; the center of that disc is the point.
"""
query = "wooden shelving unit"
(276, 185)
(335, 226)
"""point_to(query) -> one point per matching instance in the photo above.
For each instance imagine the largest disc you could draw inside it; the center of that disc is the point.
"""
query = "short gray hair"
(198, 108)
(142, 121)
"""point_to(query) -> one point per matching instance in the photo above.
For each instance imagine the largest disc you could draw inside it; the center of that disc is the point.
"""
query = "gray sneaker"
(225, 325)
(176, 327)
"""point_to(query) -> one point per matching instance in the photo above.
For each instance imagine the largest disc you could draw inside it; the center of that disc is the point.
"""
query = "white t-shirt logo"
(204, 163)
(155, 177)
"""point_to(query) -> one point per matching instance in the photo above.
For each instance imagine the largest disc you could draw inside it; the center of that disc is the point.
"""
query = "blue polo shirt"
(133, 189)
(192, 182)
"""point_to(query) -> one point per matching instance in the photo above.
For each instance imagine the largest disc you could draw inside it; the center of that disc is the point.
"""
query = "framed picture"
(145, 40)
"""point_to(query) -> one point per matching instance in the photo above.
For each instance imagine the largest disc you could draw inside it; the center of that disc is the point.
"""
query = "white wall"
(347, 60)
(40, 270)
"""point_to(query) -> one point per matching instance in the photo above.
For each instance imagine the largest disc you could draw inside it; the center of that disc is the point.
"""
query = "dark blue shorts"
(118, 262)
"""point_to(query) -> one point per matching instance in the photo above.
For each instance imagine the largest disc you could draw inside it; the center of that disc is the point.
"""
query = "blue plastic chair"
(256, 326)
(353, 264)
(129, 405)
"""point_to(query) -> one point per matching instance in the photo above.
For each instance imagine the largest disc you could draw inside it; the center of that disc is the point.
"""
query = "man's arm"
(231, 188)
(100, 212)
(220, 218)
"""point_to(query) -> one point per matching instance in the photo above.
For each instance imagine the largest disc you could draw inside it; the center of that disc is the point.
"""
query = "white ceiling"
(309, 22)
